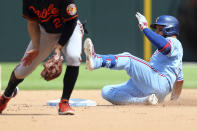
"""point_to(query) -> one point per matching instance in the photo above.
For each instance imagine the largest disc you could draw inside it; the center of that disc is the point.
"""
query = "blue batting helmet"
(170, 23)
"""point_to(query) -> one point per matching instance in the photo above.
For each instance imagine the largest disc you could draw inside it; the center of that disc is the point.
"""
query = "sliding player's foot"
(89, 52)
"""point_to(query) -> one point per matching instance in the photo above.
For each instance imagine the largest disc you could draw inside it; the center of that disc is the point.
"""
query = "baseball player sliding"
(149, 82)
(52, 24)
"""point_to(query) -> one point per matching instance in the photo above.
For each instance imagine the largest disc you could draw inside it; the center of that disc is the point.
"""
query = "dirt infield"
(28, 112)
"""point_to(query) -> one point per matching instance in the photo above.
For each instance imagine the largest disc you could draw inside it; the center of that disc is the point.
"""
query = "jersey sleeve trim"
(68, 19)
(181, 80)
(166, 49)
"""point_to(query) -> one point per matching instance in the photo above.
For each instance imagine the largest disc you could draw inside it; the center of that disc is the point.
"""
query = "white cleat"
(152, 100)
(89, 49)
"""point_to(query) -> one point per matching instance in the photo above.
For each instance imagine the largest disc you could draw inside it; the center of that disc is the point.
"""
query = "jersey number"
(57, 23)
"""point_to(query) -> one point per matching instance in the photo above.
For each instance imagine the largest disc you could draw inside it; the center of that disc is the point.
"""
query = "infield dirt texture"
(28, 112)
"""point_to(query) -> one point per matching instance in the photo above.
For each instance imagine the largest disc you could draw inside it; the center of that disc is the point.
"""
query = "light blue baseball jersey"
(169, 65)
(154, 77)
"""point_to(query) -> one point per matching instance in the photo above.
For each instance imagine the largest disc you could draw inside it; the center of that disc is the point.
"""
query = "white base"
(74, 102)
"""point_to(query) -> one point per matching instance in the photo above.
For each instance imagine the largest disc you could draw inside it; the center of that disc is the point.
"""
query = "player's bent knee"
(126, 53)
(107, 93)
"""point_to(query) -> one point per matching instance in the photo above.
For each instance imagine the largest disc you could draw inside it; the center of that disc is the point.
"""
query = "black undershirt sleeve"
(68, 29)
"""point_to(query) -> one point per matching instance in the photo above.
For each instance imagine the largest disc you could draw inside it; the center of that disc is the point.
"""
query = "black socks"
(69, 81)
(70, 78)
(13, 82)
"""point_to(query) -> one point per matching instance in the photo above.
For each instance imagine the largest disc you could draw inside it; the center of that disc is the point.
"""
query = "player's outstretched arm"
(157, 40)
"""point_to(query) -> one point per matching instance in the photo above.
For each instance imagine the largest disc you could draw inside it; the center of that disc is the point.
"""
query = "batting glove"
(142, 22)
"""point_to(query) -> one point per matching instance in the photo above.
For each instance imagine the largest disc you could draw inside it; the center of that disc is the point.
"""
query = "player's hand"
(58, 50)
(174, 96)
(176, 92)
(141, 21)
(30, 56)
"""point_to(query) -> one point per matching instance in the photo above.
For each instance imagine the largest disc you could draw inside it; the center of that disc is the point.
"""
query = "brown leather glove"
(52, 67)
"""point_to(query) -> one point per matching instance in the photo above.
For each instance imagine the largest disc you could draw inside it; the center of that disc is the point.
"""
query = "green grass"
(86, 80)
(190, 75)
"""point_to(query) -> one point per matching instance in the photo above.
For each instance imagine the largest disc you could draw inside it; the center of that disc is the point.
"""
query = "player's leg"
(148, 79)
(95, 61)
(47, 44)
(72, 53)
(126, 93)
(4, 100)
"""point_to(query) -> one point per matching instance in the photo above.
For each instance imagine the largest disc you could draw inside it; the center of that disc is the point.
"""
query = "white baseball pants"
(48, 41)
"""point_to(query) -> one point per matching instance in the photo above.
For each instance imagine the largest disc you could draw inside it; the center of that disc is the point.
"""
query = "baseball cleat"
(65, 109)
(152, 100)
(3, 102)
(89, 50)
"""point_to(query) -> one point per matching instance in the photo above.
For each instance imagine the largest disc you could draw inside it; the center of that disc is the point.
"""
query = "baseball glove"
(52, 67)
